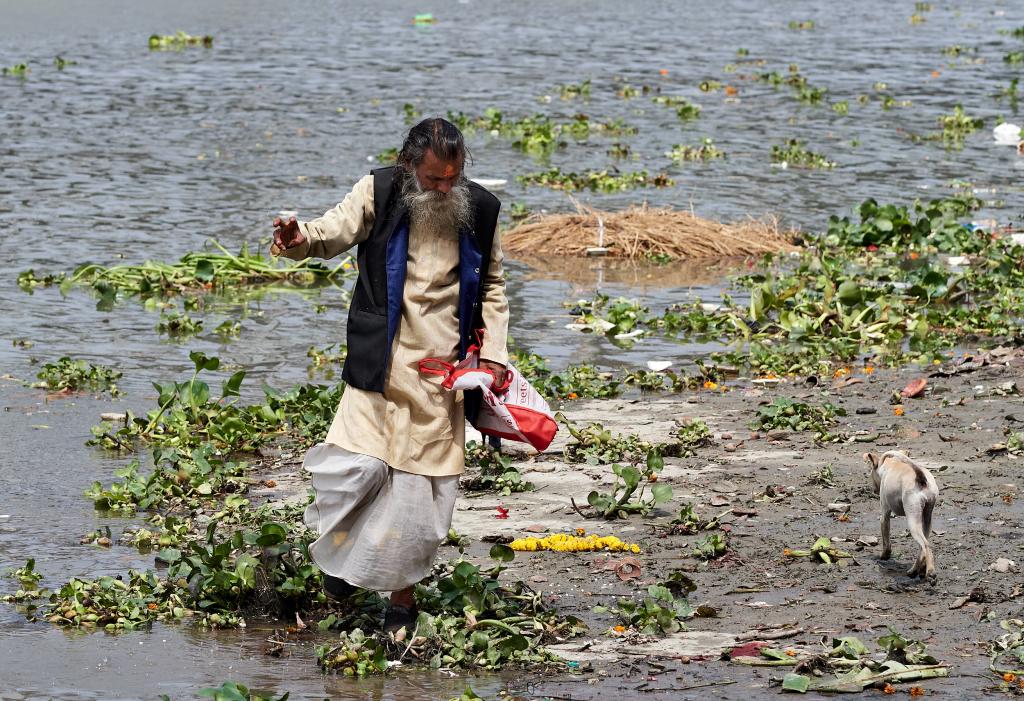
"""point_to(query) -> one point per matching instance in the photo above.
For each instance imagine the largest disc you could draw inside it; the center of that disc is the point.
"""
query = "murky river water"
(132, 154)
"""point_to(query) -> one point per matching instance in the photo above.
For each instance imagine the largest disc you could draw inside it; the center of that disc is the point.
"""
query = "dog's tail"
(926, 517)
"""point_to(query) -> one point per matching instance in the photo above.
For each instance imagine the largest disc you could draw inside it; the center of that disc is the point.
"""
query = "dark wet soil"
(755, 587)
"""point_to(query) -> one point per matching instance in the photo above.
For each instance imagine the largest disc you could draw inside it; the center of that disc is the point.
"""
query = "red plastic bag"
(515, 411)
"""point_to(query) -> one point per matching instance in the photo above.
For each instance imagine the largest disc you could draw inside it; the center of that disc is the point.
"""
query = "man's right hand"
(286, 235)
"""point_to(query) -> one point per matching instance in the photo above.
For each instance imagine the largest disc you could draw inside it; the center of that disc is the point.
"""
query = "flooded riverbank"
(130, 154)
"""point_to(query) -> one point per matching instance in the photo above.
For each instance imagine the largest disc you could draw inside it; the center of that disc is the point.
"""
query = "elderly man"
(430, 276)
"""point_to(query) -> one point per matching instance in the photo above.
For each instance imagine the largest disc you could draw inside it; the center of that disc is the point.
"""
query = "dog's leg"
(886, 545)
(915, 524)
(926, 523)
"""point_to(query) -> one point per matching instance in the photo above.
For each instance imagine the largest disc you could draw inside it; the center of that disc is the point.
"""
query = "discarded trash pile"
(643, 232)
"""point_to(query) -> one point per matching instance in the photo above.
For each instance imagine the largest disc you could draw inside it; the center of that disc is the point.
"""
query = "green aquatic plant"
(61, 63)
(596, 445)
(1014, 58)
(574, 90)
(957, 50)
(689, 522)
(685, 109)
(468, 619)
(660, 612)
(326, 360)
(595, 180)
(179, 325)
(811, 96)
(179, 477)
(196, 273)
(493, 472)
(821, 550)
(410, 113)
(690, 435)
(628, 92)
(795, 153)
(18, 70)
(706, 151)
(925, 224)
(67, 375)
(1012, 92)
(232, 691)
(538, 135)
(228, 329)
(517, 212)
(627, 494)
(710, 547)
(388, 155)
(957, 126)
(188, 416)
(801, 24)
(178, 41)
(785, 413)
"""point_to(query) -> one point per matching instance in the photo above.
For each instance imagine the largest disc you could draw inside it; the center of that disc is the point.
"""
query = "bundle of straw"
(642, 232)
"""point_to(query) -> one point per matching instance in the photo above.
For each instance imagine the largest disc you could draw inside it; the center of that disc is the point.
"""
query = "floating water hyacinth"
(179, 41)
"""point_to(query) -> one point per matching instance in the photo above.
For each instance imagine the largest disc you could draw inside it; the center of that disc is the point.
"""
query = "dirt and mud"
(772, 493)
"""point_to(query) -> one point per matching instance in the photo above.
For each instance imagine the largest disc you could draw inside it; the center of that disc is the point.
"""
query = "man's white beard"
(435, 212)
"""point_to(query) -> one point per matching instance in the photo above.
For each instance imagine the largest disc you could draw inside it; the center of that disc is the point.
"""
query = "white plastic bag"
(514, 411)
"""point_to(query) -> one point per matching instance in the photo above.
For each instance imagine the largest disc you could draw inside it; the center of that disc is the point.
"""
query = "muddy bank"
(773, 494)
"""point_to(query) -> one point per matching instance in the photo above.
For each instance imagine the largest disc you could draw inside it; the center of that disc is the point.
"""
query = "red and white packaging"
(514, 411)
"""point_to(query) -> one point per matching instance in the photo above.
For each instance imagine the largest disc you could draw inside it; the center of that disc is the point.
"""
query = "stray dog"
(906, 489)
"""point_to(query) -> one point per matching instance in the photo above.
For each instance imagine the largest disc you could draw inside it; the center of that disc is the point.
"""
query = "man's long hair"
(433, 134)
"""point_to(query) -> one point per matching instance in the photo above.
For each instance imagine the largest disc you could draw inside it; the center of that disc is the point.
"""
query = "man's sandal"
(398, 617)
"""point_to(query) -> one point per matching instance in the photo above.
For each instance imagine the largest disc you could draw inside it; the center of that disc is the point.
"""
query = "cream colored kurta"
(415, 425)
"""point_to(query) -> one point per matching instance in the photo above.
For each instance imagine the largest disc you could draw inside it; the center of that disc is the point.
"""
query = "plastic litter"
(599, 249)
(659, 365)
(4, 518)
(1006, 134)
(491, 183)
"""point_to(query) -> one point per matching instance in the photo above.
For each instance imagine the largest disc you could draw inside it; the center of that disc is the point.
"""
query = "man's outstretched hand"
(496, 369)
(286, 235)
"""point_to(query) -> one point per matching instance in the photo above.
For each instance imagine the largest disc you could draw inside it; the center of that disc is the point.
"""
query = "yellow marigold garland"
(565, 543)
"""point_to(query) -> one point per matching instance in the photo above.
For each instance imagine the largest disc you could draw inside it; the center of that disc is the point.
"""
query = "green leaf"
(203, 362)
(204, 270)
(271, 534)
(661, 493)
(797, 683)
(231, 385)
(169, 555)
(502, 553)
(849, 293)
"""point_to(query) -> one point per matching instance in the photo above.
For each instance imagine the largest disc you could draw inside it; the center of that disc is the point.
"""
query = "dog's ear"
(871, 459)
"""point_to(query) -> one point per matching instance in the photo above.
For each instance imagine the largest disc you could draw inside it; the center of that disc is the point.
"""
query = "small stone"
(726, 436)
(1003, 565)
(866, 410)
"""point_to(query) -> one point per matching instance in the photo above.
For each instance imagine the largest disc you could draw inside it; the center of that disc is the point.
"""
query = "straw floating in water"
(644, 232)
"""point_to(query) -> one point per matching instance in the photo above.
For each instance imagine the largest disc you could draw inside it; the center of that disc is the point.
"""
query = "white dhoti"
(379, 527)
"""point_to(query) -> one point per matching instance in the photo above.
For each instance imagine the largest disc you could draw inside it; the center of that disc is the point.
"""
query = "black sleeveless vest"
(376, 300)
